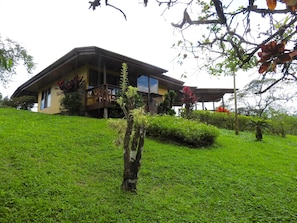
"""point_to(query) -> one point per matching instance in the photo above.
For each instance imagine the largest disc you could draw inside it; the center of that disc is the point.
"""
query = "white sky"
(50, 29)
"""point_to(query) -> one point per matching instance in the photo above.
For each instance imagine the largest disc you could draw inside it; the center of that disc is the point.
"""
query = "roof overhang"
(211, 94)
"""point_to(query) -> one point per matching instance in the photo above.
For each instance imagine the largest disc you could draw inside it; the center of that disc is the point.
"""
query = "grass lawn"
(67, 169)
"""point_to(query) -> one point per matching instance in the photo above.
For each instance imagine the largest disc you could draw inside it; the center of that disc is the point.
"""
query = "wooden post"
(235, 104)
(148, 94)
(105, 109)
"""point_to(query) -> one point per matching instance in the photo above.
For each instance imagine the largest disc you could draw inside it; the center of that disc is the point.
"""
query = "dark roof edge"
(42, 73)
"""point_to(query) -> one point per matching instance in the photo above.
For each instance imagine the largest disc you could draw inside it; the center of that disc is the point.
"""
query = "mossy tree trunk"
(132, 155)
(135, 132)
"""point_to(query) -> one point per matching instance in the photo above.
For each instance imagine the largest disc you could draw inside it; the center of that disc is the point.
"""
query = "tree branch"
(107, 4)
(270, 86)
(94, 4)
(250, 55)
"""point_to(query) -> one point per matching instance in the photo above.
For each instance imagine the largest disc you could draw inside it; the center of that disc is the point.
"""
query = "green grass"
(67, 169)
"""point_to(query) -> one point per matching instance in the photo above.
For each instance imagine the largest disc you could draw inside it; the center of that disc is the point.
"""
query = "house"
(100, 70)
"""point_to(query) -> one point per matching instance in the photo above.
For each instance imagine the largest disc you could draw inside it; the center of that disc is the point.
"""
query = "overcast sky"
(50, 29)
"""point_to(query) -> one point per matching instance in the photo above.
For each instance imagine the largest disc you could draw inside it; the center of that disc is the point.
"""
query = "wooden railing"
(101, 96)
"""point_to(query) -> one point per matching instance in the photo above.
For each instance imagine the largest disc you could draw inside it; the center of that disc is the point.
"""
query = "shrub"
(179, 130)
(166, 106)
(279, 124)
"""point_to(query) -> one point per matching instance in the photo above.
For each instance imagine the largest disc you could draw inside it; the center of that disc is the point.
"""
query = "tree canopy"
(11, 53)
(236, 35)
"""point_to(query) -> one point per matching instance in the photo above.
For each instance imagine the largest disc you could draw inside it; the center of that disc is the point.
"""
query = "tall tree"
(236, 35)
(11, 54)
(253, 103)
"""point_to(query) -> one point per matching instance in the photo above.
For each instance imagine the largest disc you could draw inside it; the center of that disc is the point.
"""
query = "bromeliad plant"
(73, 90)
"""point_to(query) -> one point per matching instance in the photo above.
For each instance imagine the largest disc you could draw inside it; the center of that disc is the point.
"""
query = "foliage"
(73, 90)
(22, 102)
(166, 106)
(274, 53)
(11, 53)
(52, 170)
(182, 131)
(282, 124)
(279, 123)
(219, 119)
(189, 99)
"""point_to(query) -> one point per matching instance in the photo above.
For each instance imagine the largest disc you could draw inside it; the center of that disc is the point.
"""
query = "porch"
(101, 96)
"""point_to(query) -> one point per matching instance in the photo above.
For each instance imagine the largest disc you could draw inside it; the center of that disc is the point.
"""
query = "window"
(147, 84)
(45, 99)
(94, 78)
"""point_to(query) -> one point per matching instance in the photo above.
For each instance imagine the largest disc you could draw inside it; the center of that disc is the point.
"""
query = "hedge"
(182, 131)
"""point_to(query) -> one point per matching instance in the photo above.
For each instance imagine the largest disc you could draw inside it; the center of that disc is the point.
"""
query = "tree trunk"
(126, 174)
(132, 161)
(259, 135)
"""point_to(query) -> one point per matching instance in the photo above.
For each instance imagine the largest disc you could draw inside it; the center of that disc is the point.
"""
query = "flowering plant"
(222, 109)
(72, 85)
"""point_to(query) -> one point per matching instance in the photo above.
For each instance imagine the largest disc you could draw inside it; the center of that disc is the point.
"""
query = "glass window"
(144, 82)
(154, 85)
(45, 99)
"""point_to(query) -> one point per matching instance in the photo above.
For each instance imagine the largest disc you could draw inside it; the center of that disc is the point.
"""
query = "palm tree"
(259, 125)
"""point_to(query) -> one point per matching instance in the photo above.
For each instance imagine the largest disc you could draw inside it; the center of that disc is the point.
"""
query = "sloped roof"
(90, 55)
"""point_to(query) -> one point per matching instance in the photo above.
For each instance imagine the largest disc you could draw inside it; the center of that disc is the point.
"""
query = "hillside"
(67, 169)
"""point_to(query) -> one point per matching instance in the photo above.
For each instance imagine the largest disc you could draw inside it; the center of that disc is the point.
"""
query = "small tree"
(73, 91)
(189, 99)
(259, 125)
(135, 132)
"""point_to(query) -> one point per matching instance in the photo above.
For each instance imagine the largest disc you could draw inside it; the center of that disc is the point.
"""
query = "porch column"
(105, 110)
(148, 94)
(202, 102)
